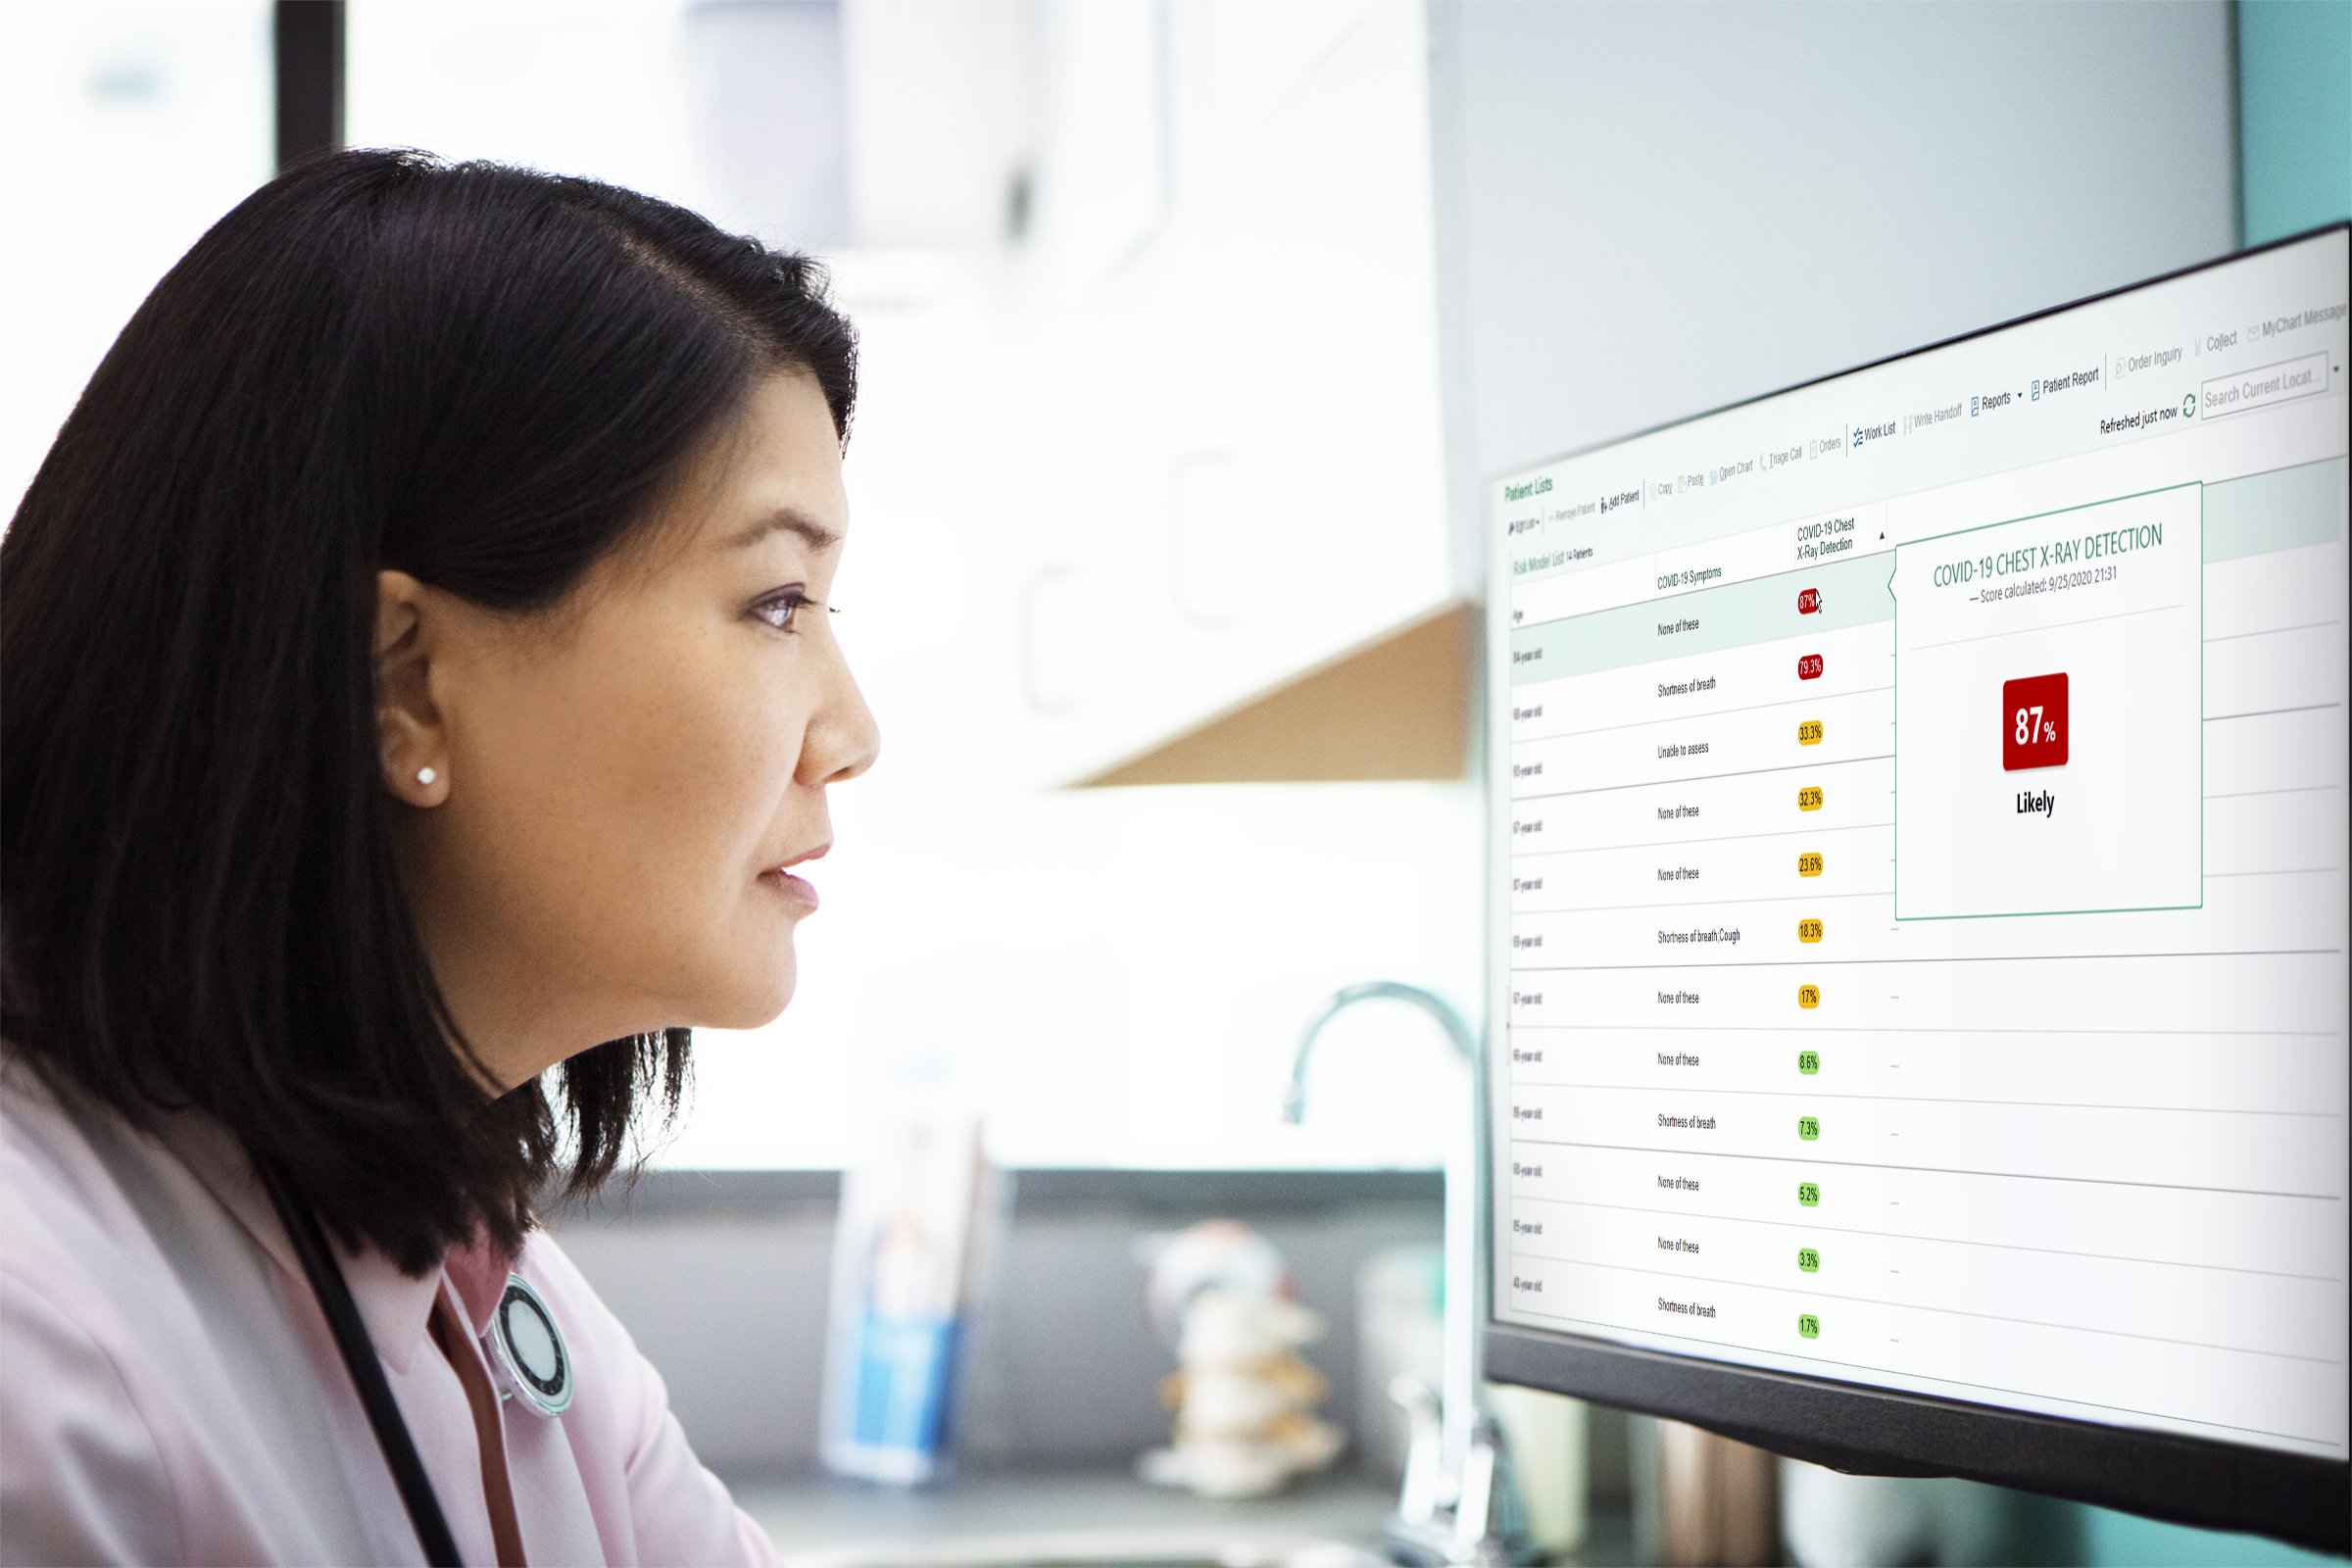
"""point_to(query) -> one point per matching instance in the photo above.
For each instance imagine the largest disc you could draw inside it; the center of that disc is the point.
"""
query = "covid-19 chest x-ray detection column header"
(1920, 891)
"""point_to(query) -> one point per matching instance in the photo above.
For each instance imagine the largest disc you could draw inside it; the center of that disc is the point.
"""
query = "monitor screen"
(1919, 925)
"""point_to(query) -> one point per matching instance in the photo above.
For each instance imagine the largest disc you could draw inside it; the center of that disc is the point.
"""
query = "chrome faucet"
(1458, 1504)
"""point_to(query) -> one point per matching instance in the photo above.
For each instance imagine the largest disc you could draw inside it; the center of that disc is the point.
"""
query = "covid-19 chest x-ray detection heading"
(1919, 921)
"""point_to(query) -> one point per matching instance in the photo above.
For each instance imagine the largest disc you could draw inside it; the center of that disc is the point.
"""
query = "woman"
(417, 691)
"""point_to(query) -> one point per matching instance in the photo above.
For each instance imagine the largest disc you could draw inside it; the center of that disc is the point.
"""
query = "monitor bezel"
(1867, 1429)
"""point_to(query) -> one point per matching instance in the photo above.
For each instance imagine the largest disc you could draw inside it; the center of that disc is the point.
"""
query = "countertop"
(815, 1514)
(823, 1511)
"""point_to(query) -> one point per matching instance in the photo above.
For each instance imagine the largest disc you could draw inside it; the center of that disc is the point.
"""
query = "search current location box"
(2270, 385)
(2049, 708)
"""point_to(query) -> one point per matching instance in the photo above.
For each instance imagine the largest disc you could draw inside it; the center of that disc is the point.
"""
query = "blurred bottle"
(1834, 1520)
(1545, 1434)
(1703, 1500)
(917, 1226)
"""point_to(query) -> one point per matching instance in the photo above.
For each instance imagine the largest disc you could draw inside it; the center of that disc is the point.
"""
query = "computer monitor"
(1919, 909)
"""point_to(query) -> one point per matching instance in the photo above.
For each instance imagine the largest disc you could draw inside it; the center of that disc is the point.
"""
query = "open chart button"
(2049, 695)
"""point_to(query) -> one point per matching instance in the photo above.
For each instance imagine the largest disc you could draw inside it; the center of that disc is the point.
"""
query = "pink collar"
(395, 1306)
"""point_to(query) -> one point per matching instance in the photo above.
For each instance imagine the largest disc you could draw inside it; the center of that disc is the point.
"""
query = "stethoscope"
(528, 1362)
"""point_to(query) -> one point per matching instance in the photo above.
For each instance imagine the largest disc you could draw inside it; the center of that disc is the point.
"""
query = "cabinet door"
(1236, 433)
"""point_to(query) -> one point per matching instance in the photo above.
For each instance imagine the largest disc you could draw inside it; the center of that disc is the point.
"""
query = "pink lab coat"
(170, 1392)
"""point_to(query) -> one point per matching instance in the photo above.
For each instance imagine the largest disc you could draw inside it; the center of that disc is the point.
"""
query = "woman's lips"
(798, 889)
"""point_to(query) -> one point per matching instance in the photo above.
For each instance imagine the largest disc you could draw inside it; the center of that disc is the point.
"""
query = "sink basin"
(1094, 1548)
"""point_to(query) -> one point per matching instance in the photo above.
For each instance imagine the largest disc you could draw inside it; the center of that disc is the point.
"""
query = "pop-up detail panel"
(2048, 701)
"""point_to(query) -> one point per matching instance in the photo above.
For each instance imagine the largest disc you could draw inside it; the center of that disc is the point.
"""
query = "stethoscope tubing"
(367, 1371)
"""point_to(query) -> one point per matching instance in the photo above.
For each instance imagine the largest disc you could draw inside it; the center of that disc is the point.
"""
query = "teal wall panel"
(2294, 90)
(2125, 1541)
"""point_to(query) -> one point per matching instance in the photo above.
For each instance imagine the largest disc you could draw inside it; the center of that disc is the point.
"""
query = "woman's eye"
(779, 610)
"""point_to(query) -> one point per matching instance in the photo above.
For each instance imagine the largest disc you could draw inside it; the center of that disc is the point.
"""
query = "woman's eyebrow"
(815, 534)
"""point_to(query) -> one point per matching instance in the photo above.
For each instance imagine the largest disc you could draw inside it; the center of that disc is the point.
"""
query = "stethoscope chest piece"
(528, 1358)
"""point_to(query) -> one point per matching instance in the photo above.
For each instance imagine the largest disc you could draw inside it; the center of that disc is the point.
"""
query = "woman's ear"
(410, 742)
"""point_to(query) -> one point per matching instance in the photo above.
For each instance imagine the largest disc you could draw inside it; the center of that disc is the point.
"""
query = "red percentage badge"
(2034, 725)
(1808, 666)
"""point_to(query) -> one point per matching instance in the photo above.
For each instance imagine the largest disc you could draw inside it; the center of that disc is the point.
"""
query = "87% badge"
(2034, 725)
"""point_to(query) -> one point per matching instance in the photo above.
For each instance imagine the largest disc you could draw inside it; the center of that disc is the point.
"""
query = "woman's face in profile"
(625, 789)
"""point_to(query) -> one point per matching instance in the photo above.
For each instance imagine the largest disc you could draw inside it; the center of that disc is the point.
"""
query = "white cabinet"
(1188, 442)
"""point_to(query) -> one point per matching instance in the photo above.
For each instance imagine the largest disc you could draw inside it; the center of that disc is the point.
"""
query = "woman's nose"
(843, 740)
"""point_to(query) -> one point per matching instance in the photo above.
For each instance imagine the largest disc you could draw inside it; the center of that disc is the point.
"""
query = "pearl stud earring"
(425, 775)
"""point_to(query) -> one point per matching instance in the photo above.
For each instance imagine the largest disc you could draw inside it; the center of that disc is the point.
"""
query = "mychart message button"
(2226, 395)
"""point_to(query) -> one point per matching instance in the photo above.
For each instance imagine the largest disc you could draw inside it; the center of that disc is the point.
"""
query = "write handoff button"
(2034, 724)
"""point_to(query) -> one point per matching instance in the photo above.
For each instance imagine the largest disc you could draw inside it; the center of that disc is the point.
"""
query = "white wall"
(1646, 212)
(132, 126)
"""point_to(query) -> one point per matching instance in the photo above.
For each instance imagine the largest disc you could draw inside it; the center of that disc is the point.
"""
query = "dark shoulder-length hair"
(480, 375)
